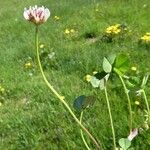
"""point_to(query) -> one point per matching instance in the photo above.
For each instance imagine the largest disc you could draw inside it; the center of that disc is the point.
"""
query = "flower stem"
(56, 93)
(110, 116)
(83, 139)
(128, 98)
(146, 100)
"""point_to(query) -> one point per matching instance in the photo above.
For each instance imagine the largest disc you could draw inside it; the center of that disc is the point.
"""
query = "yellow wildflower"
(2, 90)
(42, 46)
(56, 18)
(133, 68)
(113, 29)
(28, 65)
(67, 31)
(88, 78)
(146, 37)
(117, 31)
(108, 31)
(137, 103)
(95, 72)
(72, 30)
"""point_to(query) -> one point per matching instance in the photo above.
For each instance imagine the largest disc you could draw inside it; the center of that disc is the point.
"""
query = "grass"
(31, 117)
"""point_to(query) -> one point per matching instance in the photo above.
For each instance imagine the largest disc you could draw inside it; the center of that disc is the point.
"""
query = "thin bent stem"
(128, 98)
(83, 139)
(146, 100)
(111, 120)
(129, 102)
(61, 98)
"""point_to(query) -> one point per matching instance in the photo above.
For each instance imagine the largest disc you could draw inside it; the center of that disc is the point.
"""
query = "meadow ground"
(30, 116)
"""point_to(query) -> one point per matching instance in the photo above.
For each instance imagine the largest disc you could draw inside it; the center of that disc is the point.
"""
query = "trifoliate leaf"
(83, 102)
(78, 102)
(102, 84)
(99, 80)
(111, 58)
(89, 101)
(107, 67)
(95, 82)
(122, 63)
(124, 143)
(100, 75)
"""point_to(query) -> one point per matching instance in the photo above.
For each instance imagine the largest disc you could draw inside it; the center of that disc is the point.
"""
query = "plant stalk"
(128, 98)
(110, 116)
(81, 132)
(61, 98)
(147, 105)
(146, 100)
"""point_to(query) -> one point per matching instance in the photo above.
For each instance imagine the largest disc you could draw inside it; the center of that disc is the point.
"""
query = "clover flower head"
(133, 134)
(37, 15)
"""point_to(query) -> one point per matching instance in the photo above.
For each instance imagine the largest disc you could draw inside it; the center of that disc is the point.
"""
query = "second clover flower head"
(37, 15)
(133, 134)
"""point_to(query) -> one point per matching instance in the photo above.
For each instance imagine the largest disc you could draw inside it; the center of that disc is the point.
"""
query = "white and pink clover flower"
(37, 15)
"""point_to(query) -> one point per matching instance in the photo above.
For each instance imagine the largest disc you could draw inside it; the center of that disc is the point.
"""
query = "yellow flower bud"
(67, 31)
(56, 18)
(28, 65)
(2, 90)
(95, 72)
(42, 46)
(137, 103)
(133, 68)
(88, 78)
(72, 30)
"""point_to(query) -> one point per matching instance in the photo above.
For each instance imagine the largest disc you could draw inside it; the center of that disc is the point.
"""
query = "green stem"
(128, 98)
(146, 100)
(111, 120)
(83, 139)
(59, 96)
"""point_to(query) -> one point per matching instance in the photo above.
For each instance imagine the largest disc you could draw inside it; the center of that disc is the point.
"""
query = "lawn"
(71, 47)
